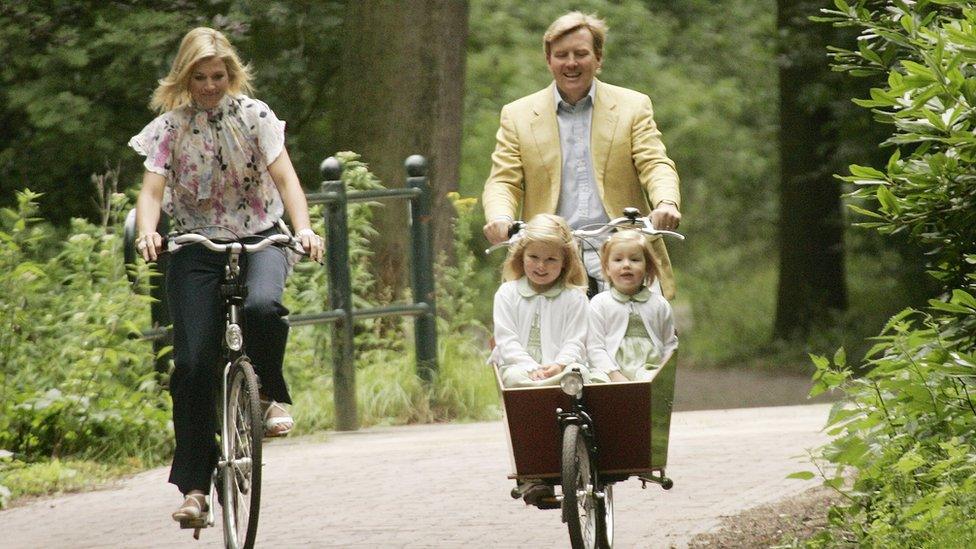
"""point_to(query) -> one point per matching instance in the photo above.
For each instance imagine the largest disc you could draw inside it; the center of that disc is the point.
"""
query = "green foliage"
(906, 433)
(56, 475)
(71, 375)
(927, 194)
(77, 76)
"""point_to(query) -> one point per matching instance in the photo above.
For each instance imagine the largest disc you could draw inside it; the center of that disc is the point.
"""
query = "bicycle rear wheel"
(579, 501)
(604, 518)
(243, 430)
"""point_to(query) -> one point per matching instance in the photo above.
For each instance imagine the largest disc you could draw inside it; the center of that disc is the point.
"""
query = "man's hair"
(573, 21)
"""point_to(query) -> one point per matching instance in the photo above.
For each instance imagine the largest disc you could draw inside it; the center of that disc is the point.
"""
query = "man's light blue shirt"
(579, 197)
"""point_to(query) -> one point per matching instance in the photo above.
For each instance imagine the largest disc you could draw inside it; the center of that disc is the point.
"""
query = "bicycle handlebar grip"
(514, 228)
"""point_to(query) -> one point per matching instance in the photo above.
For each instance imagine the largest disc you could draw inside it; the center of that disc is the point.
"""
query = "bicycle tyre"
(242, 474)
(579, 503)
(604, 518)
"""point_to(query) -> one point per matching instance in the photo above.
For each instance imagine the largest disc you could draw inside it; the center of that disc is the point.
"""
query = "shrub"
(73, 382)
(906, 433)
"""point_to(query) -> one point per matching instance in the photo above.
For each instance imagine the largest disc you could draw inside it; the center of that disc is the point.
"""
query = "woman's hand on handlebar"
(312, 243)
(150, 245)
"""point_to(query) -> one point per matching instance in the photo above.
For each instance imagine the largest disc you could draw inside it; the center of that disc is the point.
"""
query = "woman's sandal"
(272, 424)
(194, 506)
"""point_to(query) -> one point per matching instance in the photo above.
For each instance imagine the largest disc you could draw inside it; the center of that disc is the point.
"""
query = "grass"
(60, 476)
(389, 392)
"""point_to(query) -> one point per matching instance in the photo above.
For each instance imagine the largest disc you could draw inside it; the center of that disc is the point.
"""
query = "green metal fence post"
(340, 296)
(422, 267)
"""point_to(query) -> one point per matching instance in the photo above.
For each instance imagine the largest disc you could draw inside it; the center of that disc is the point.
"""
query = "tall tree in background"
(400, 92)
(811, 244)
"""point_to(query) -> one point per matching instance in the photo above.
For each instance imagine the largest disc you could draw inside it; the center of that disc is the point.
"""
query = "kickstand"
(196, 533)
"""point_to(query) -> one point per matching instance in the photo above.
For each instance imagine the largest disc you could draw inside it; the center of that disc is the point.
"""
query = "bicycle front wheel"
(579, 501)
(243, 429)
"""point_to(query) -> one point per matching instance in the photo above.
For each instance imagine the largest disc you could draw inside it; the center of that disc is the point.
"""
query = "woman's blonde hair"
(628, 236)
(199, 44)
(553, 230)
(573, 21)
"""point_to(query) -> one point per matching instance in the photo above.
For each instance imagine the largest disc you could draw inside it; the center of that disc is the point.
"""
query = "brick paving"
(444, 486)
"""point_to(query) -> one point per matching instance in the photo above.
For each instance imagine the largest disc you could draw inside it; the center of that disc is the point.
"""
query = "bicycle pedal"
(194, 524)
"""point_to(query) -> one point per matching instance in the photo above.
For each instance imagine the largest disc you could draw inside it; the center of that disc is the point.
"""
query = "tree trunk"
(811, 231)
(400, 92)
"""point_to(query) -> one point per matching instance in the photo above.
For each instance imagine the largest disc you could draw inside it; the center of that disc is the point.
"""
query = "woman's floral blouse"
(216, 165)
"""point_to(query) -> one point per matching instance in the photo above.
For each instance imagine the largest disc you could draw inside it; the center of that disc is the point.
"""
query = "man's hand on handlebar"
(666, 217)
(150, 245)
(497, 231)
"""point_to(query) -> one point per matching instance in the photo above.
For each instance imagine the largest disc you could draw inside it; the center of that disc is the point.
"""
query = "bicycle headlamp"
(234, 337)
(572, 383)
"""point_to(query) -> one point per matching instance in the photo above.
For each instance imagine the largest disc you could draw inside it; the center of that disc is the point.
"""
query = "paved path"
(445, 486)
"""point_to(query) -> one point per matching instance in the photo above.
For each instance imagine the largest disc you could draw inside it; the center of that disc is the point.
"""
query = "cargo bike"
(587, 437)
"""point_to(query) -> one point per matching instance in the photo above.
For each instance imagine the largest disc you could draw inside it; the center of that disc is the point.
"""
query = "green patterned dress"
(638, 357)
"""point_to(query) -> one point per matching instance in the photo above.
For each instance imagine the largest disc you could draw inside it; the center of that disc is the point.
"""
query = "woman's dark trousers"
(193, 285)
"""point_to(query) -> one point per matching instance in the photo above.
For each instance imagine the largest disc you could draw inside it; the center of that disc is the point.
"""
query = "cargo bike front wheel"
(587, 506)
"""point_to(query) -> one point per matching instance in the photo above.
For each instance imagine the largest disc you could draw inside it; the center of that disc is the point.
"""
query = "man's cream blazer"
(629, 160)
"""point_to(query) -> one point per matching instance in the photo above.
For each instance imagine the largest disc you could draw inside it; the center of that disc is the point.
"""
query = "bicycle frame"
(233, 291)
(579, 416)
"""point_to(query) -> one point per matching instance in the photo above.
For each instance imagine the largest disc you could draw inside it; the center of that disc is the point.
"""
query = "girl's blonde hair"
(199, 44)
(628, 236)
(552, 230)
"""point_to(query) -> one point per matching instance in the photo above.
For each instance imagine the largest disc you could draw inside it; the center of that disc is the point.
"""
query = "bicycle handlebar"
(175, 242)
(630, 220)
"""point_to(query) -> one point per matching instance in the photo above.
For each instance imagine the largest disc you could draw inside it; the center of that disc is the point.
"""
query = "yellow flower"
(463, 206)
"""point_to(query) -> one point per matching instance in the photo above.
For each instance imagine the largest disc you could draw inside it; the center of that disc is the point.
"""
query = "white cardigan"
(608, 320)
(562, 325)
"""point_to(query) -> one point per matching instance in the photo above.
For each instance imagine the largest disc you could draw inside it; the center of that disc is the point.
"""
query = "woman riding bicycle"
(217, 164)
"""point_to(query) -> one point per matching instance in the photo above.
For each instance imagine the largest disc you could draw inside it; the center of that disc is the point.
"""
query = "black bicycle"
(237, 477)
